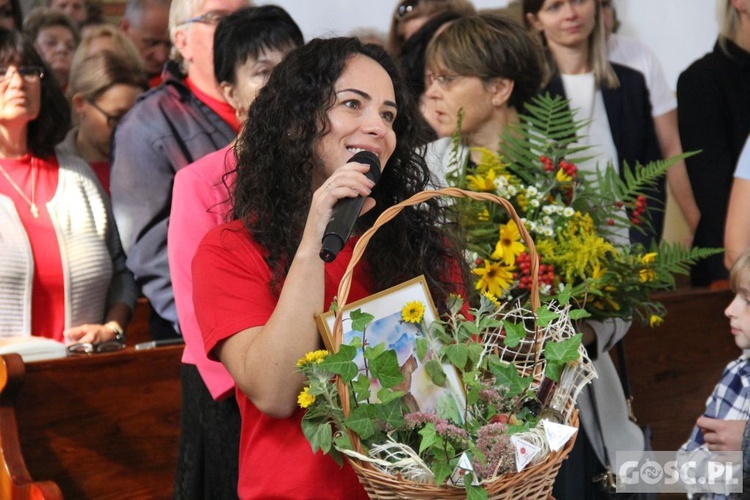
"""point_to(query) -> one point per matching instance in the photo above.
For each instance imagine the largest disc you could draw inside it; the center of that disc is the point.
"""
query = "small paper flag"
(557, 434)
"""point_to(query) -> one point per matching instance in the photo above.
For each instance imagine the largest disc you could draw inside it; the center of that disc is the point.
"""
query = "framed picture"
(388, 327)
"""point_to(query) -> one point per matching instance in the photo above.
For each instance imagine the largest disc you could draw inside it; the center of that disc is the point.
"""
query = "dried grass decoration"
(505, 357)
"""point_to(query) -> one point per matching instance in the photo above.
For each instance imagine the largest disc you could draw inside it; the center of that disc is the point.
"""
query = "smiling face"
(565, 23)
(362, 117)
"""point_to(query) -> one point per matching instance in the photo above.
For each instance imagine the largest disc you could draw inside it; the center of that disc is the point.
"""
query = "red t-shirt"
(48, 286)
(101, 169)
(230, 294)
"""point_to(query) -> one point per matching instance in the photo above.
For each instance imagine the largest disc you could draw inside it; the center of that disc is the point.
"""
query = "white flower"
(547, 220)
(568, 212)
(534, 203)
(532, 191)
(512, 190)
(549, 209)
(545, 289)
(548, 231)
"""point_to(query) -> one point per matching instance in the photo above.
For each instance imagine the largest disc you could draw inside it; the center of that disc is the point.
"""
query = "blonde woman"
(713, 96)
(102, 88)
(613, 99)
(106, 37)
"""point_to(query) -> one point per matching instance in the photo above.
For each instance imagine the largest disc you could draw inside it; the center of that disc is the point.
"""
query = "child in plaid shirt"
(723, 424)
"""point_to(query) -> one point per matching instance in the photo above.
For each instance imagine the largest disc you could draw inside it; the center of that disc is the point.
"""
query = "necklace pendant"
(34, 211)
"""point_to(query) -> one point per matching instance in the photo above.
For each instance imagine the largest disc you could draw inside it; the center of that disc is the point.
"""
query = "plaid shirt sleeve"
(730, 399)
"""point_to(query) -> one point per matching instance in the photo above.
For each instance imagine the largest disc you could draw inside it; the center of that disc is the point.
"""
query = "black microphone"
(346, 211)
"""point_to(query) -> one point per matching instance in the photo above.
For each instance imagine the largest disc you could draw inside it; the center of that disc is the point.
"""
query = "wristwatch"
(119, 332)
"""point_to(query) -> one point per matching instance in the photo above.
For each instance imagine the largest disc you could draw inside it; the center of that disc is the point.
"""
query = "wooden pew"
(674, 367)
(104, 426)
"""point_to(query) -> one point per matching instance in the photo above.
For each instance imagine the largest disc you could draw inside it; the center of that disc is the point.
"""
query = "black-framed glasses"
(27, 73)
(405, 8)
(112, 120)
(211, 18)
(91, 348)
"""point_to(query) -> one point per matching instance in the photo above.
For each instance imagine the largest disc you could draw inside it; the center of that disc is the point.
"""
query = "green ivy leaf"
(442, 471)
(474, 492)
(386, 369)
(341, 363)
(559, 353)
(388, 395)
(435, 370)
(507, 376)
(360, 320)
(319, 434)
(544, 316)
(391, 413)
(514, 333)
(579, 314)
(372, 352)
(458, 354)
(361, 387)
(564, 297)
(362, 420)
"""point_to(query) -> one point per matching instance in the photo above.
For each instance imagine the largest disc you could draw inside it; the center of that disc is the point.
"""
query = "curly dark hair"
(50, 127)
(276, 161)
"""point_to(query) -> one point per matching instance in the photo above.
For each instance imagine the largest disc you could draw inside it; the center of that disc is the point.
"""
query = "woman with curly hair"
(259, 281)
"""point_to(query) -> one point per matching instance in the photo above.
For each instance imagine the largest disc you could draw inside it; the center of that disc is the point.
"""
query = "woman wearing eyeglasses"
(102, 88)
(489, 87)
(62, 269)
(410, 15)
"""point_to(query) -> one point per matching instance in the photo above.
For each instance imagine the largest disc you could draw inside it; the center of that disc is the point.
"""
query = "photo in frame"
(388, 327)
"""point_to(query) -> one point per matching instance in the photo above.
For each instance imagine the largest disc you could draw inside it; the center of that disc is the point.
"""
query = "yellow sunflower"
(509, 246)
(413, 312)
(493, 278)
(482, 183)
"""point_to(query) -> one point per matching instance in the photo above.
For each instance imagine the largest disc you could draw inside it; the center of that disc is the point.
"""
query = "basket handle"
(390, 213)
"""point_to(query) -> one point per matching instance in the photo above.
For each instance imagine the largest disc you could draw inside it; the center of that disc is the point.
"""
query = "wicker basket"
(535, 481)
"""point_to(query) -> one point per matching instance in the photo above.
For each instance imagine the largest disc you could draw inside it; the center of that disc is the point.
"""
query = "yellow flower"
(647, 275)
(304, 398)
(494, 278)
(413, 312)
(509, 245)
(561, 176)
(312, 357)
(482, 183)
(491, 298)
(648, 258)
(655, 320)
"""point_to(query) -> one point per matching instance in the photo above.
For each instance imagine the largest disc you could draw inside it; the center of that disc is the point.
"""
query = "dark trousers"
(207, 466)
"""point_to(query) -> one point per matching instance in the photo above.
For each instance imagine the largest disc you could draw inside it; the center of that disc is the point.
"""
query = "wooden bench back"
(104, 426)
(674, 367)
